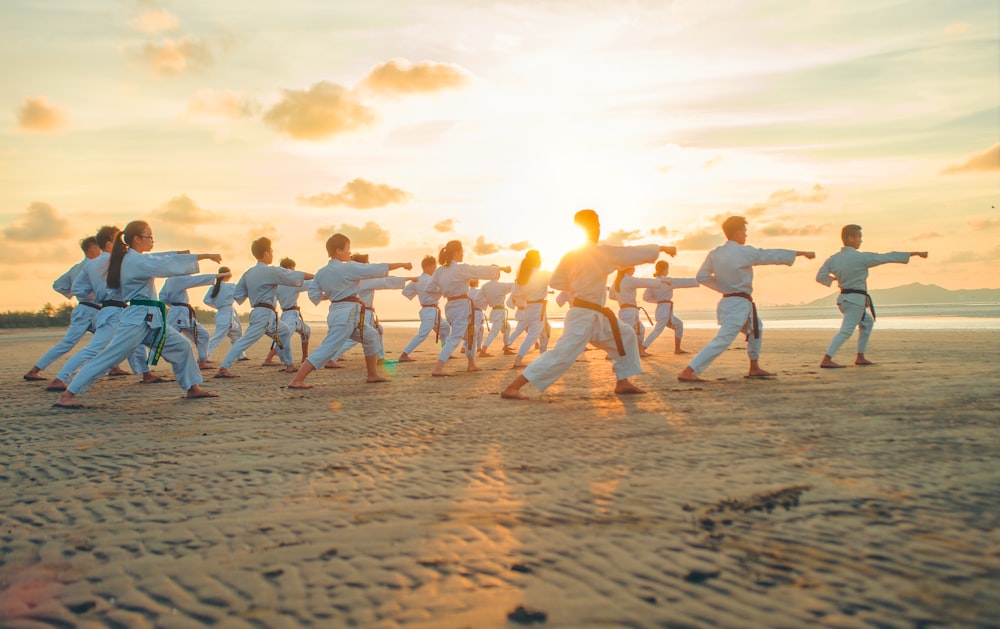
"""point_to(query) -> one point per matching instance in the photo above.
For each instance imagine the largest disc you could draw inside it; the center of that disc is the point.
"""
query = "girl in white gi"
(583, 273)
(91, 283)
(850, 268)
(494, 292)
(339, 281)
(227, 321)
(624, 290)
(531, 285)
(288, 300)
(144, 320)
(430, 312)
(663, 296)
(260, 284)
(728, 269)
(452, 279)
(181, 316)
(516, 303)
(82, 318)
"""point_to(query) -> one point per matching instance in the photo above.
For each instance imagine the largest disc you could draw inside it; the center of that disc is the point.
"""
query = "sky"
(405, 125)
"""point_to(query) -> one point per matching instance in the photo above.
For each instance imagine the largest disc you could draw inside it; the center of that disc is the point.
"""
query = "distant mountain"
(917, 293)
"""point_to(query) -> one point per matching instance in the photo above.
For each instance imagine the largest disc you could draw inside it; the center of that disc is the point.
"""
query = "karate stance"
(850, 268)
(181, 316)
(663, 296)
(227, 321)
(494, 292)
(583, 275)
(728, 269)
(291, 315)
(430, 312)
(625, 290)
(531, 286)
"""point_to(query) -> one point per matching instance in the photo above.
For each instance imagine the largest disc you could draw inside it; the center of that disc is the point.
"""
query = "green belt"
(162, 307)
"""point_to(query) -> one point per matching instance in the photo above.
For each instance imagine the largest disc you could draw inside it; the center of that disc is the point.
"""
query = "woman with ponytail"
(452, 279)
(531, 287)
(663, 297)
(227, 322)
(624, 290)
(144, 320)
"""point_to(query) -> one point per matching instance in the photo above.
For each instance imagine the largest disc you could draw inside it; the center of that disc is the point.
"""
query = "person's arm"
(706, 274)
(315, 293)
(899, 257)
(825, 274)
(240, 293)
(64, 283)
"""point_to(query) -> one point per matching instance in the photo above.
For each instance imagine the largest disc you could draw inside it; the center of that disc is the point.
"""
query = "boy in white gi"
(430, 312)
(291, 315)
(728, 269)
(260, 283)
(850, 268)
(663, 296)
(625, 290)
(182, 317)
(82, 318)
(339, 281)
(227, 322)
(583, 274)
(494, 291)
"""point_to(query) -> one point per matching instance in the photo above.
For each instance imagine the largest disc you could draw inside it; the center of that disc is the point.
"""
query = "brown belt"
(361, 319)
(470, 329)
(753, 309)
(610, 316)
(276, 342)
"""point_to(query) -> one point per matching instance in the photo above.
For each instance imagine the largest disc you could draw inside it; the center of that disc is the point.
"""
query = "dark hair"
(532, 260)
(427, 262)
(589, 221)
(849, 231)
(122, 244)
(88, 242)
(218, 282)
(105, 235)
(448, 252)
(661, 267)
(335, 243)
(359, 257)
(731, 224)
(260, 246)
(287, 263)
(622, 272)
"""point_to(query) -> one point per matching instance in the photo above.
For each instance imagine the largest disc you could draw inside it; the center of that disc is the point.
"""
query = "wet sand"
(861, 497)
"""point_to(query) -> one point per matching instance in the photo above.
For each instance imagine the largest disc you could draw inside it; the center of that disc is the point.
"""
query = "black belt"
(858, 291)
(291, 308)
(90, 305)
(753, 309)
(276, 343)
(110, 303)
(610, 316)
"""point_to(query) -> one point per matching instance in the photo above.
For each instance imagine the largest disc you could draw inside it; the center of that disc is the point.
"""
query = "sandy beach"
(861, 497)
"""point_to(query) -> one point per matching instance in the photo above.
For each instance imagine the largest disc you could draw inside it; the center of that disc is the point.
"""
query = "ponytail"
(618, 280)
(121, 245)
(218, 282)
(532, 260)
(447, 253)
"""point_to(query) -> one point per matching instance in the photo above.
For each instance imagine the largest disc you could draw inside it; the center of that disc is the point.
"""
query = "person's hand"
(920, 254)
(809, 255)
(224, 276)
(214, 257)
(670, 251)
(408, 266)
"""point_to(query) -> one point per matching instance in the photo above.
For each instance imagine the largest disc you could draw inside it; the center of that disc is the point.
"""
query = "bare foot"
(270, 363)
(643, 353)
(67, 400)
(33, 375)
(519, 364)
(117, 371)
(151, 378)
(442, 374)
(688, 375)
(625, 387)
(376, 379)
(861, 362)
(513, 394)
(290, 369)
(759, 373)
(299, 385)
(332, 364)
(196, 392)
(56, 385)
(203, 364)
(403, 358)
(474, 368)
(509, 351)
(681, 351)
(485, 355)
(827, 363)
(224, 373)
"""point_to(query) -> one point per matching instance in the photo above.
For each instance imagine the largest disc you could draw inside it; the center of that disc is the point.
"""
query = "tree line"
(50, 316)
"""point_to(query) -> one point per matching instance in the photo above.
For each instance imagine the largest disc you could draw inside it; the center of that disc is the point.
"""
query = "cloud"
(399, 76)
(960, 257)
(958, 28)
(779, 198)
(358, 194)
(36, 114)
(701, 240)
(484, 248)
(325, 109)
(369, 235)
(779, 229)
(183, 210)
(41, 223)
(222, 104)
(712, 162)
(986, 160)
(987, 223)
(622, 236)
(153, 21)
(445, 226)
(522, 245)
(928, 235)
(662, 231)
(171, 57)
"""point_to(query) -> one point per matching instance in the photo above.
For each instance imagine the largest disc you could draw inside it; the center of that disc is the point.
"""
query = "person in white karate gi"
(849, 267)
(81, 319)
(339, 282)
(430, 313)
(291, 314)
(479, 306)
(91, 283)
(227, 321)
(143, 322)
(495, 292)
(531, 286)
(583, 274)
(625, 290)
(181, 314)
(728, 269)
(452, 278)
(260, 284)
(663, 296)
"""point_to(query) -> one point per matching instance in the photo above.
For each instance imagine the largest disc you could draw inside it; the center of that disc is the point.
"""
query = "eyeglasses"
(150, 237)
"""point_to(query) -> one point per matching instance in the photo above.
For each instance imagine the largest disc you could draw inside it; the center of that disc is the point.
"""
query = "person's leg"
(81, 321)
(534, 331)
(126, 338)
(661, 324)
(338, 332)
(754, 345)
(733, 314)
(864, 333)
(427, 318)
(102, 336)
(853, 313)
(258, 326)
(577, 331)
(624, 366)
(284, 335)
(457, 313)
(178, 352)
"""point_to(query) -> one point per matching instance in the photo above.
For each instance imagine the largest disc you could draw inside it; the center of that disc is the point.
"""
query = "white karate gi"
(227, 321)
(260, 283)
(534, 295)
(628, 306)
(479, 305)
(663, 296)
(494, 291)
(850, 268)
(728, 269)
(339, 281)
(430, 313)
(453, 282)
(366, 293)
(81, 320)
(520, 321)
(583, 274)
(144, 325)
(92, 282)
(181, 317)
(288, 299)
